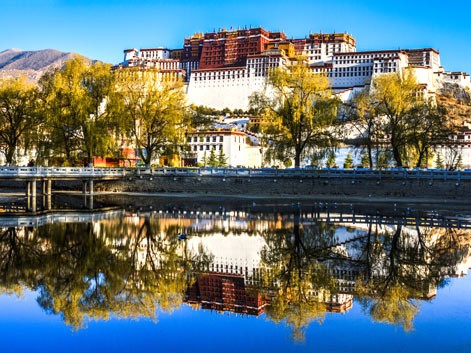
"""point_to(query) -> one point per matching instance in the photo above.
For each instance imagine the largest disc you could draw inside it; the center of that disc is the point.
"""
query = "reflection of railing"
(432, 220)
(58, 217)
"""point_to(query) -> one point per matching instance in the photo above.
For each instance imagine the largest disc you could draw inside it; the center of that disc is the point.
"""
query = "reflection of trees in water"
(301, 282)
(13, 259)
(131, 268)
(401, 266)
(81, 270)
(384, 287)
(389, 270)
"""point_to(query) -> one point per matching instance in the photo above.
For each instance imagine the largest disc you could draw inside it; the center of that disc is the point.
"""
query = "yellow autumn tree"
(298, 112)
(17, 119)
(152, 110)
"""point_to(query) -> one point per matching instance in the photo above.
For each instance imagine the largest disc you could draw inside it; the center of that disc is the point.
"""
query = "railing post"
(33, 195)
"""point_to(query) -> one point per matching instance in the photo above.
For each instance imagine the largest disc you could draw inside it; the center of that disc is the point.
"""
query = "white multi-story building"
(237, 147)
(357, 69)
(319, 48)
(155, 58)
(446, 78)
(148, 54)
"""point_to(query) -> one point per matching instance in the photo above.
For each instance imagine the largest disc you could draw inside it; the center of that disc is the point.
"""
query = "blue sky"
(101, 29)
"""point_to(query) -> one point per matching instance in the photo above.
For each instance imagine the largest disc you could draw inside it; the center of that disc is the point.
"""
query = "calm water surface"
(301, 280)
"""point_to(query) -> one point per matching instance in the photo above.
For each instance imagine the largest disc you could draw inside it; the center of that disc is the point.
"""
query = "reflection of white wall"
(241, 250)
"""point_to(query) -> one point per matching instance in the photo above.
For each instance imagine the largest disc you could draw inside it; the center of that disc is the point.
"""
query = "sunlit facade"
(224, 68)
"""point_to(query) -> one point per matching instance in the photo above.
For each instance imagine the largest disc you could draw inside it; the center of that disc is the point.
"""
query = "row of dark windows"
(203, 138)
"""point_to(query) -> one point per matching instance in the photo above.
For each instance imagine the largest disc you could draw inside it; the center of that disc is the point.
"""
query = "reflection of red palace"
(225, 292)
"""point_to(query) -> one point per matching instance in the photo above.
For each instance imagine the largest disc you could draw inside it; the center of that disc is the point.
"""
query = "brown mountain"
(16, 62)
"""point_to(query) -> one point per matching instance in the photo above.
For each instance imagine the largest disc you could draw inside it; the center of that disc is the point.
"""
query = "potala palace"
(222, 69)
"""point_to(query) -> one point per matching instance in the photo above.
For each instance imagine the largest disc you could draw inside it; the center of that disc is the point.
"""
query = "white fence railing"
(313, 173)
(45, 172)
(91, 172)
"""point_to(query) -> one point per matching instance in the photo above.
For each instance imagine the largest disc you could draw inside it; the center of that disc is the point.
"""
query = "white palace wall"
(220, 92)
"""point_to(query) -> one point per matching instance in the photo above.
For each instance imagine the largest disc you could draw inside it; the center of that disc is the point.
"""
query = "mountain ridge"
(31, 63)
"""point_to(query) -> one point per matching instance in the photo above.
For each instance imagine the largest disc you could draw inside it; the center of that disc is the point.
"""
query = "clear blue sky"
(101, 29)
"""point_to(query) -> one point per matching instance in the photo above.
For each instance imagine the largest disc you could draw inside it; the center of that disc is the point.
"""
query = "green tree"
(439, 161)
(365, 159)
(205, 159)
(222, 159)
(17, 117)
(300, 113)
(213, 159)
(383, 158)
(348, 161)
(152, 110)
(330, 163)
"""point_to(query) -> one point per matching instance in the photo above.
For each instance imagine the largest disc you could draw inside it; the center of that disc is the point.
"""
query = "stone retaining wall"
(264, 186)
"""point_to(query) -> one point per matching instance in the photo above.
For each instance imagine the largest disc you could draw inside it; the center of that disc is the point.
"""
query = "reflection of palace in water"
(225, 292)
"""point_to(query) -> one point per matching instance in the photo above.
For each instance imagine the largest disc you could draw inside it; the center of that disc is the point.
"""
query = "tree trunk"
(422, 153)
(370, 155)
(395, 150)
(297, 158)
(397, 156)
(9, 154)
(148, 157)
